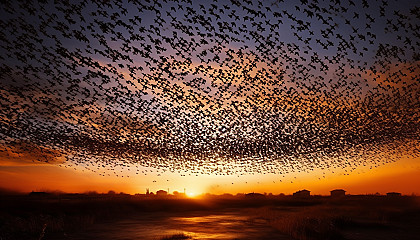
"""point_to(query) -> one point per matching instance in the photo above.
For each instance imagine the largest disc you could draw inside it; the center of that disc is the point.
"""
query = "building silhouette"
(161, 193)
(39, 194)
(393, 194)
(254, 195)
(338, 193)
(302, 193)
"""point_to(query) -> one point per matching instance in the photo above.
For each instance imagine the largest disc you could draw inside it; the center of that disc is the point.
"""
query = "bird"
(216, 88)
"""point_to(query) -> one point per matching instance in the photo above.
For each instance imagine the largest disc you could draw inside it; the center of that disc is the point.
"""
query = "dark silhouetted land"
(251, 216)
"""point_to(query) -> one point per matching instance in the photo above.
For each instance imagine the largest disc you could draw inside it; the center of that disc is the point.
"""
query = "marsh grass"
(36, 226)
(329, 221)
(306, 225)
(25, 218)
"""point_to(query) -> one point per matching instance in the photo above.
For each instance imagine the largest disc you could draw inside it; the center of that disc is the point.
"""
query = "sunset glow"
(191, 194)
(237, 97)
(222, 119)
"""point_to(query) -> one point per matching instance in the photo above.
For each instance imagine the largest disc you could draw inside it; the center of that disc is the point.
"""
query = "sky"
(402, 176)
(218, 97)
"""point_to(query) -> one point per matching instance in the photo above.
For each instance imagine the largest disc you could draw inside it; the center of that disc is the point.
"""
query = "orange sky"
(23, 175)
(23, 172)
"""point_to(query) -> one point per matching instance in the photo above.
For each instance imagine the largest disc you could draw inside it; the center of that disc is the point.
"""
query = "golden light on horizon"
(229, 113)
(191, 194)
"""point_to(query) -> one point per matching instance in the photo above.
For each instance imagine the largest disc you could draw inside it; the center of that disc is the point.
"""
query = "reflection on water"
(221, 226)
(198, 225)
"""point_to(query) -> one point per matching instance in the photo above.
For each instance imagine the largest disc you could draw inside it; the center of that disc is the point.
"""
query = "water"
(198, 225)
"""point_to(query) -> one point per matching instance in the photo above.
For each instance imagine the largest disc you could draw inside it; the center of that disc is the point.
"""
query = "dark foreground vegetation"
(316, 217)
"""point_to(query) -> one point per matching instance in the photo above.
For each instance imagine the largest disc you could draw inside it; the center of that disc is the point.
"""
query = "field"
(210, 217)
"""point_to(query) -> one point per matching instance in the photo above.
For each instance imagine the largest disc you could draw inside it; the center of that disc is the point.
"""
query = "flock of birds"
(211, 87)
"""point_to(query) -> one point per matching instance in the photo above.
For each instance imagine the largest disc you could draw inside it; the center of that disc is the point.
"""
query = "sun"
(191, 194)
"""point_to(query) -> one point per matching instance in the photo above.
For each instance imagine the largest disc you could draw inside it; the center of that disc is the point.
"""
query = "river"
(198, 225)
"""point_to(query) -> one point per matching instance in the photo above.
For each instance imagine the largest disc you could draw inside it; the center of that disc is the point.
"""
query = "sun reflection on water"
(196, 225)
